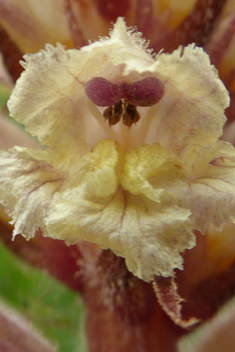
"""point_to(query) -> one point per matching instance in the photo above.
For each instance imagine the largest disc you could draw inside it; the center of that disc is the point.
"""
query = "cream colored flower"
(32, 23)
(137, 183)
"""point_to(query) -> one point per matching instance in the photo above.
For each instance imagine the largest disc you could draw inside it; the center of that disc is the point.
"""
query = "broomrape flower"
(131, 158)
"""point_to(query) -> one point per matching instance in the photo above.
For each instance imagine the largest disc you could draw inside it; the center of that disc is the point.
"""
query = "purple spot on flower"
(102, 92)
(146, 92)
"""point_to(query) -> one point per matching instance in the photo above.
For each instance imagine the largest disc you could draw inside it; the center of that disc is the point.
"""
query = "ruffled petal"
(27, 187)
(149, 233)
(47, 96)
(190, 116)
(211, 194)
(153, 236)
(151, 170)
(85, 195)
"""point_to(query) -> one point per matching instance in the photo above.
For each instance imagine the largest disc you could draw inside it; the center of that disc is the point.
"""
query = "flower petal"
(151, 170)
(191, 113)
(149, 234)
(30, 186)
(153, 236)
(211, 195)
(43, 98)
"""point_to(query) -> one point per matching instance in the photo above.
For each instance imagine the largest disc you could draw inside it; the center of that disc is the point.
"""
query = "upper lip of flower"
(138, 188)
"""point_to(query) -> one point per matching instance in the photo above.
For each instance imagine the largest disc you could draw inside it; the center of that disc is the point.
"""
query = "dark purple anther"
(146, 92)
(102, 92)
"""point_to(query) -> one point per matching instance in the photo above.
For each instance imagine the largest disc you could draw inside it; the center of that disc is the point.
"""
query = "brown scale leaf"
(75, 30)
(169, 299)
(111, 10)
(124, 310)
(11, 55)
(130, 297)
(195, 28)
(206, 297)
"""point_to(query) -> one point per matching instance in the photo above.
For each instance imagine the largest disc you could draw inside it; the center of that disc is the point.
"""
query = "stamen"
(113, 113)
(124, 110)
(130, 115)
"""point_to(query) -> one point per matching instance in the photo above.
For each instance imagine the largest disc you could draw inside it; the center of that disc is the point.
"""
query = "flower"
(31, 24)
(138, 183)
